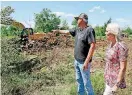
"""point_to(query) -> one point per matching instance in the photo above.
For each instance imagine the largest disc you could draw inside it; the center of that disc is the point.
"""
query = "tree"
(9, 30)
(5, 13)
(64, 25)
(74, 23)
(128, 30)
(105, 25)
(99, 31)
(46, 21)
(109, 21)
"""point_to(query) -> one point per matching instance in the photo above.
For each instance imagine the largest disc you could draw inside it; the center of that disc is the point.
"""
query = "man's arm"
(62, 31)
(89, 56)
(92, 41)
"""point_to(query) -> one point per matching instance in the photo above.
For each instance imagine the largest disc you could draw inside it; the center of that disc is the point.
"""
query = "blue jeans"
(83, 79)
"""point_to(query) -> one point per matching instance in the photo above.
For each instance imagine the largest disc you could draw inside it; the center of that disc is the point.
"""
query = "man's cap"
(83, 16)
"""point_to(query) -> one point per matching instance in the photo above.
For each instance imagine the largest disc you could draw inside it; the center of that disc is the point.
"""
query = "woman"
(116, 60)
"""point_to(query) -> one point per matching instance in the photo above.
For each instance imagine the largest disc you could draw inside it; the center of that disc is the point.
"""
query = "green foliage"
(16, 69)
(74, 23)
(10, 54)
(73, 90)
(46, 21)
(64, 25)
(10, 30)
(98, 82)
(100, 30)
(128, 30)
(5, 13)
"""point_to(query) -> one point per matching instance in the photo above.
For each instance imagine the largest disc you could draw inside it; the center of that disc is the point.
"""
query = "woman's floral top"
(114, 55)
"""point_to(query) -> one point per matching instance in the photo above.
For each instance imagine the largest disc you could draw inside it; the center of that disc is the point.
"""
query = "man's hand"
(85, 66)
(61, 31)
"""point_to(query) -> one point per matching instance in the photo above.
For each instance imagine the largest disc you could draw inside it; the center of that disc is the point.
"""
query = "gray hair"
(114, 29)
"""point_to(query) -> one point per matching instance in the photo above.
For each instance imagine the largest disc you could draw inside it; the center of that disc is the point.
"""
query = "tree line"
(45, 21)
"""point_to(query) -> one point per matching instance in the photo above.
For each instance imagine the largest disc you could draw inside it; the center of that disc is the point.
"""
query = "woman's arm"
(123, 66)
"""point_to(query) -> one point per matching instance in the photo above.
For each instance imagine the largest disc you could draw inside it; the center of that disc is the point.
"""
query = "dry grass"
(64, 58)
(56, 76)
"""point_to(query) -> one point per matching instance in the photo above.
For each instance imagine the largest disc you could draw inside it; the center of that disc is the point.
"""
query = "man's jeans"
(83, 79)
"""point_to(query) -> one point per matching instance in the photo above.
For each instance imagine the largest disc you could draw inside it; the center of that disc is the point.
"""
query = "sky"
(98, 11)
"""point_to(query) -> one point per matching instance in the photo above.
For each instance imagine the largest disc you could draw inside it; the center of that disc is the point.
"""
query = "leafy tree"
(105, 25)
(5, 13)
(46, 21)
(9, 30)
(4, 30)
(74, 23)
(100, 30)
(128, 30)
(64, 25)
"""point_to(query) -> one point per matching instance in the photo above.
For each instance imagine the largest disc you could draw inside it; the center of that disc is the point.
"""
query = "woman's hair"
(114, 29)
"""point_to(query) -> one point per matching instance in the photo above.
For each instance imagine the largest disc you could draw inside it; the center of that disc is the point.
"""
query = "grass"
(98, 82)
(100, 37)
(56, 77)
(130, 37)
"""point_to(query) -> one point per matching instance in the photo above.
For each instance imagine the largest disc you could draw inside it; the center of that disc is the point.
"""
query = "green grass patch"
(98, 82)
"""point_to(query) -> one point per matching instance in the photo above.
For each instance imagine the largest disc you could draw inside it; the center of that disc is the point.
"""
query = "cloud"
(70, 15)
(91, 10)
(103, 11)
(95, 8)
(94, 25)
(64, 14)
(122, 20)
(59, 13)
(67, 16)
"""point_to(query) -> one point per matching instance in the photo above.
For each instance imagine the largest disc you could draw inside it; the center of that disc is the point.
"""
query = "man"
(84, 49)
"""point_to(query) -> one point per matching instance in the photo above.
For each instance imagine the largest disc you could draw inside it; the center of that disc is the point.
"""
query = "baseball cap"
(83, 16)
